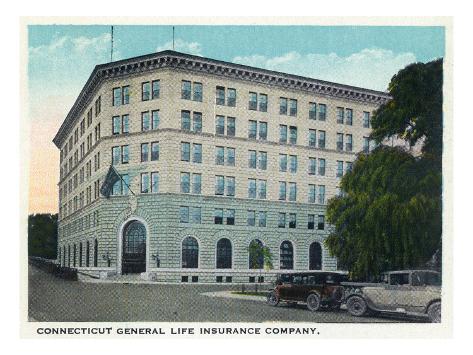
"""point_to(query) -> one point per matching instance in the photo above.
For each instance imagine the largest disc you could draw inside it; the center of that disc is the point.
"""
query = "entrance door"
(134, 248)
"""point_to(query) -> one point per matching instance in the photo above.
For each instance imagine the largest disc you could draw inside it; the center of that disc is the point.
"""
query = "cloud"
(182, 46)
(370, 68)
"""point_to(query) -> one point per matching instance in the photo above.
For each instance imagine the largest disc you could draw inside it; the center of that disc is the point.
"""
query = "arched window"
(80, 254)
(190, 253)
(87, 254)
(286, 255)
(96, 253)
(224, 254)
(256, 259)
(315, 256)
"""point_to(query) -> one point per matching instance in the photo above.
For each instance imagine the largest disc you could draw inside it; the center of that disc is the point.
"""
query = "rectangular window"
(125, 154)
(348, 166)
(196, 183)
(117, 96)
(144, 183)
(321, 222)
(231, 156)
(230, 217)
(310, 221)
(282, 190)
(263, 131)
(219, 185)
(145, 122)
(262, 160)
(196, 215)
(252, 159)
(126, 184)
(292, 135)
(262, 219)
(154, 182)
(321, 194)
(263, 102)
(312, 166)
(253, 101)
(116, 124)
(185, 120)
(251, 188)
(186, 90)
(154, 151)
(220, 125)
(198, 92)
(311, 194)
(366, 119)
(218, 216)
(155, 119)
(144, 152)
(125, 95)
(293, 107)
(231, 126)
(220, 95)
(231, 97)
(322, 112)
(282, 106)
(292, 191)
(196, 153)
(322, 139)
(251, 218)
(156, 86)
(185, 183)
(219, 155)
(312, 140)
(349, 120)
(125, 124)
(262, 189)
(145, 91)
(282, 162)
(339, 141)
(339, 168)
(349, 143)
(252, 128)
(282, 220)
(293, 163)
(184, 214)
(322, 167)
(366, 145)
(282, 133)
(312, 111)
(230, 185)
(185, 151)
(292, 220)
(340, 115)
(115, 155)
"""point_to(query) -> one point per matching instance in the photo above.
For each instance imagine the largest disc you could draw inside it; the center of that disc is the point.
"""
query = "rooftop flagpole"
(172, 37)
(111, 49)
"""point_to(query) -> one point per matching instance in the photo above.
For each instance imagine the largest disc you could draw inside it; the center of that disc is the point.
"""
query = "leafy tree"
(42, 235)
(390, 213)
(260, 256)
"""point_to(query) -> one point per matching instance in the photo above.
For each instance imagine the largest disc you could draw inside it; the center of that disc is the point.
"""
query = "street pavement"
(54, 299)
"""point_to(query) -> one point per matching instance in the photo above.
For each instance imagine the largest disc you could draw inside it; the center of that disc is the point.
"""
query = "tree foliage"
(42, 235)
(390, 213)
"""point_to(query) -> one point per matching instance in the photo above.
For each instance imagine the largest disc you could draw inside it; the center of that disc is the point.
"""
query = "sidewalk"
(231, 294)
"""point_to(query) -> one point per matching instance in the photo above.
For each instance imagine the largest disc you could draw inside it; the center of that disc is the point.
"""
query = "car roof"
(408, 271)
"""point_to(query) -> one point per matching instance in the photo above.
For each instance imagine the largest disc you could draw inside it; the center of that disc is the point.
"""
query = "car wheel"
(313, 302)
(435, 312)
(357, 306)
(272, 298)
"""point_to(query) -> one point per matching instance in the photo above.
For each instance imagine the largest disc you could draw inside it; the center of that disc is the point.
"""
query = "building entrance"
(134, 248)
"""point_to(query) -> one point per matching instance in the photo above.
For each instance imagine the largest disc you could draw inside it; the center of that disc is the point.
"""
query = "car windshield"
(426, 279)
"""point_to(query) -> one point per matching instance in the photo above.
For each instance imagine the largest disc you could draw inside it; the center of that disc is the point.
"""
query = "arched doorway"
(134, 248)
(224, 254)
(315, 256)
(286, 256)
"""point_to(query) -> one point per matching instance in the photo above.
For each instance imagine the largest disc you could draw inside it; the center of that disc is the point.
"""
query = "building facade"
(213, 157)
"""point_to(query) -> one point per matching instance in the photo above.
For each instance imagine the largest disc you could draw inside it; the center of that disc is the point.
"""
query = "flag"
(110, 180)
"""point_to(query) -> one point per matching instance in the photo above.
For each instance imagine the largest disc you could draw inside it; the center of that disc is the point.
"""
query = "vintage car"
(409, 292)
(316, 289)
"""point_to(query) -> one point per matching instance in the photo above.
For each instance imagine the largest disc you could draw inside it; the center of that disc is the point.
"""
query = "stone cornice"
(180, 61)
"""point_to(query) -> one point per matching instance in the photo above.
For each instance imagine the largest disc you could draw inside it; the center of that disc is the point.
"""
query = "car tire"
(357, 306)
(272, 298)
(435, 312)
(313, 302)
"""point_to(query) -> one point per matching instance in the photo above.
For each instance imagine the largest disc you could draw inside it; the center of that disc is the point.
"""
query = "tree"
(42, 235)
(389, 215)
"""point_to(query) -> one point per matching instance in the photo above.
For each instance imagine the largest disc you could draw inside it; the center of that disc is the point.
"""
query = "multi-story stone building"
(212, 156)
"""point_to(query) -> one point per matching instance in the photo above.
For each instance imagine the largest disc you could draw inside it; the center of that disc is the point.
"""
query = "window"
(125, 124)
(252, 128)
(320, 222)
(349, 120)
(252, 104)
(282, 133)
(282, 220)
(286, 256)
(263, 130)
(154, 182)
(230, 182)
(282, 162)
(185, 151)
(292, 107)
(154, 151)
(340, 115)
(293, 163)
(366, 145)
(292, 191)
(145, 91)
(312, 166)
(339, 169)
(262, 219)
(190, 214)
(252, 159)
(117, 96)
(251, 188)
(263, 102)
(366, 119)
(125, 154)
(322, 167)
(262, 189)
(196, 153)
(145, 121)
(310, 221)
(349, 144)
(219, 155)
(156, 89)
(190, 253)
(218, 216)
(312, 140)
(115, 155)
(186, 90)
(219, 185)
(197, 122)
(321, 194)
(224, 254)
(251, 218)
(184, 214)
(155, 119)
(339, 141)
(230, 217)
(125, 95)
(185, 183)
(220, 95)
(311, 196)
(98, 106)
(231, 126)
(144, 152)
(282, 106)
(144, 183)
(196, 183)
(312, 111)
(262, 160)
(196, 215)
(231, 156)
(282, 190)
(197, 93)
(231, 97)
(292, 135)
(220, 125)
(292, 220)
(185, 120)
(322, 112)
(255, 255)
(321, 139)
(315, 256)
(348, 166)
